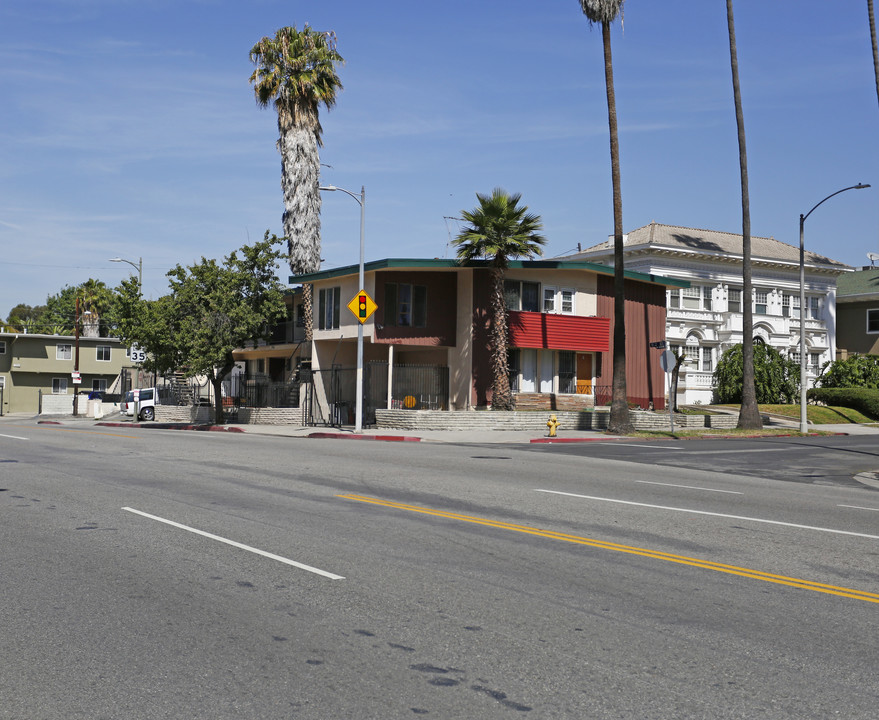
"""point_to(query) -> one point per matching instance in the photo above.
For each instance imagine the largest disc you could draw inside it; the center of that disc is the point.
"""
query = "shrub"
(776, 377)
(864, 400)
(857, 371)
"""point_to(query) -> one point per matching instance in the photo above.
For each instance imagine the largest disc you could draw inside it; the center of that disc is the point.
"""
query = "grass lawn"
(816, 414)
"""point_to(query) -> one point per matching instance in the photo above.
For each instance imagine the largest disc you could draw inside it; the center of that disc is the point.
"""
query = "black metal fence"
(414, 387)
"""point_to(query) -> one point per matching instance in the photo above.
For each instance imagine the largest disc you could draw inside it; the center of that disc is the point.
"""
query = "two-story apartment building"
(705, 319)
(427, 345)
(858, 306)
(34, 366)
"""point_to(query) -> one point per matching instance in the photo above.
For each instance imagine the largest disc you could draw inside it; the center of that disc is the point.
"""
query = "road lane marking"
(631, 550)
(628, 445)
(271, 556)
(714, 514)
(689, 487)
(14, 437)
(859, 507)
(90, 432)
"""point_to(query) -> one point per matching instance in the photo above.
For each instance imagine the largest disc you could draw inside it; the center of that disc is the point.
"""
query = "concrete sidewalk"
(479, 437)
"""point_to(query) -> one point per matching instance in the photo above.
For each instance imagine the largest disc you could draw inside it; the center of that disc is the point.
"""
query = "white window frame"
(758, 296)
(59, 386)
(737, 292)
(99, 385)
(98, 349)
(554, 299)
(873, 313)
(64, 352)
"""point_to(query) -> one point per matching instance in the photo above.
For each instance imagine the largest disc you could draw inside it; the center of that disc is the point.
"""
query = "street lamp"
(139, 266)
(803, 422)
(361, 200)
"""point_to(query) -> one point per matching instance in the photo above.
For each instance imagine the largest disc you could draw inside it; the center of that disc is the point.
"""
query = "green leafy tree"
(749, 417)
(211, 311)
(776, 377)
(24, 318)
(297, 71)
(857, 371)
(604, 12)
(499, 229)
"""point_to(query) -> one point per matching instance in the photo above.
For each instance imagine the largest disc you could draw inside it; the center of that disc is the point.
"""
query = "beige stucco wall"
(461, 361)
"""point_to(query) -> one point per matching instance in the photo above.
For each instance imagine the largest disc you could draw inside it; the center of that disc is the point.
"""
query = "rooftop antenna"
(873, 257)
(446, 219)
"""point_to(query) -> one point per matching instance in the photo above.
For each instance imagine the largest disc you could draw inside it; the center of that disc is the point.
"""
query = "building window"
(706, 297)
(64, 352)
(2, 347)
(674, 298)
(513, 368)
(813, 304)
(795, 356)
(814, 361)
(103, 353)
(785, 305)
(99, 385)
(707, 363)
(328, 304)
(558, 300)
(59, 386)
(873, 321)
(691, 298)
(735, 301)
(405, 305)
(521, 295)
(760, 301)
(795, 307)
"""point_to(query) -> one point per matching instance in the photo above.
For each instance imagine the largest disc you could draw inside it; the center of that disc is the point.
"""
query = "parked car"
(142, 400)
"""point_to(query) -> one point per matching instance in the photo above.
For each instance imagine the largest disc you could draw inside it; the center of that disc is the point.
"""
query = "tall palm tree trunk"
(501, 395)
(749, 416)
(875, 49)
(619, 421)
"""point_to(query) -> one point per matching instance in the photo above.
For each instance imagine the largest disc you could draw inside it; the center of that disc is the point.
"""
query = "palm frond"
(602, 11)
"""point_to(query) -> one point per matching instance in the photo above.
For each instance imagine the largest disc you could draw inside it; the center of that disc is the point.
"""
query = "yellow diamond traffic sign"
(362, 306)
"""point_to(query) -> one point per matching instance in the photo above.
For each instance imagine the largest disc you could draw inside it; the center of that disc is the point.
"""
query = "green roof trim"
(437, 264)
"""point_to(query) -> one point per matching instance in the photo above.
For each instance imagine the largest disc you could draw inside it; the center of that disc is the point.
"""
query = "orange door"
(584, 373)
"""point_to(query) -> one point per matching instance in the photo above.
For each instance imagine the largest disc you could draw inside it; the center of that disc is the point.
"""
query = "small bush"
(857, 371)
(863, 400)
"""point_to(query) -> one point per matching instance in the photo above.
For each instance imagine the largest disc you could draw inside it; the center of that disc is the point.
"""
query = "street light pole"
(361, 200)
(139, 266)
(804, 425)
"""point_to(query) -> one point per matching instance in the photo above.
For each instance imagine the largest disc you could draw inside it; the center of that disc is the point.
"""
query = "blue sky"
(130, 129)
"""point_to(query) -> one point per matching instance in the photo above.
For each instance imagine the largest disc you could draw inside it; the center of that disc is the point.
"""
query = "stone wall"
(536, 420)
(202, 415)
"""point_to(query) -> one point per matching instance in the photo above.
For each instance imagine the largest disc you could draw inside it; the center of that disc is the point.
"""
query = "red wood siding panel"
(442, 300)
(645, 323)
(559, 332)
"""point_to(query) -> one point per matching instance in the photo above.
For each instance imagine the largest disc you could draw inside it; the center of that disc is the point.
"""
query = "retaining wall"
(536, 420)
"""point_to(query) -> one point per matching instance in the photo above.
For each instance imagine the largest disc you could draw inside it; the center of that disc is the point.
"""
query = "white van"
(142, 399)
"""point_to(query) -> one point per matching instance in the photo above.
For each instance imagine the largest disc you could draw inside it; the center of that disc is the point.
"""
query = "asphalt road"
(208, 575)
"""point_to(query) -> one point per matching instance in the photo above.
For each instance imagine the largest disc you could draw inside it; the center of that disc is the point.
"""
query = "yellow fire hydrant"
(553, 425)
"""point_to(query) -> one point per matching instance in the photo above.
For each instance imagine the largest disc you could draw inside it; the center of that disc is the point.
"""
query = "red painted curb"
(385, 438)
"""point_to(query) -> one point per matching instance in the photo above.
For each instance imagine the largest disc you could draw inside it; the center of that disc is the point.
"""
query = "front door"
(584, 373)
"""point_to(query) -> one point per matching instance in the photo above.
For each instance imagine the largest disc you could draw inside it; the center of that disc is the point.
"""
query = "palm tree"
(499, 230)
(604, 12)
(297, 71)
(749, 415)
(875, 49)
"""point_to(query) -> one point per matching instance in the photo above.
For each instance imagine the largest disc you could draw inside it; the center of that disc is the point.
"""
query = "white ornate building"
(705, 319)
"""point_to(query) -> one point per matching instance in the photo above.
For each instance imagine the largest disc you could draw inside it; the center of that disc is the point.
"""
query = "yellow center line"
(630, 549)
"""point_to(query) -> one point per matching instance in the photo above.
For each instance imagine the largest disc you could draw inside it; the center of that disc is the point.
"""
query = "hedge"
(864, 400)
